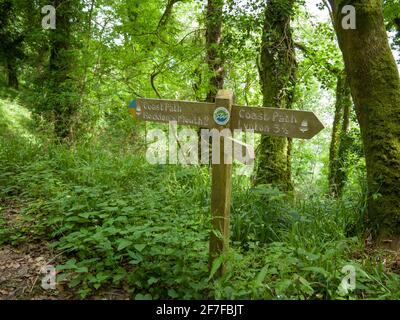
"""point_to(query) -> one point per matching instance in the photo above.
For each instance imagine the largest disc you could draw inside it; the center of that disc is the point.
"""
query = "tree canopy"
(77, 189)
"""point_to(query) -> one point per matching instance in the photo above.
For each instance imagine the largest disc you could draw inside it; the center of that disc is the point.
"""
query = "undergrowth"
(120, 222)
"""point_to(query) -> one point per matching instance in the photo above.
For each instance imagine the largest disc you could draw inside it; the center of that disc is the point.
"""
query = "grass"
(123, 223)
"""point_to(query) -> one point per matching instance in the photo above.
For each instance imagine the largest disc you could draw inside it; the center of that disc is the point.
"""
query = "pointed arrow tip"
(319, 126)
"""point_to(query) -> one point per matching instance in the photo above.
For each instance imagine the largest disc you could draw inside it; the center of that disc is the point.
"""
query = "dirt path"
(21, 272)
(22, 267)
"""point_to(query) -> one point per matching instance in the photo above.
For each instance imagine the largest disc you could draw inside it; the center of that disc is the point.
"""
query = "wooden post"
(221, 192)
(224, 115)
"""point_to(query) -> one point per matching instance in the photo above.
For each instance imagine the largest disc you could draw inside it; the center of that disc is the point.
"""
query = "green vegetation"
(121, 222)
(77, 192)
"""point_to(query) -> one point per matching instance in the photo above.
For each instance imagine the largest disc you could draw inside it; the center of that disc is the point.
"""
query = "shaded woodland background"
(74, 179)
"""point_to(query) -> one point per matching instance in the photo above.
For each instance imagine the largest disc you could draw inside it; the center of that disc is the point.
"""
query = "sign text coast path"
(270, 121)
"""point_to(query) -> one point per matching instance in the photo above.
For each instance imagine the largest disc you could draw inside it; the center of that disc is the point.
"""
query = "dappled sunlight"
(16, 122)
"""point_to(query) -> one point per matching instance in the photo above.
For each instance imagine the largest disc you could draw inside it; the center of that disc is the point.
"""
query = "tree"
(55, 68)
(61, 66)
(375, 87)
(278, 77)
(339, 146)
(11, 41)
(213, 47)
(214, 59)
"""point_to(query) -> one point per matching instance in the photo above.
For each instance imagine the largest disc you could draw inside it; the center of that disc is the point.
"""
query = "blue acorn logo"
(221, 116)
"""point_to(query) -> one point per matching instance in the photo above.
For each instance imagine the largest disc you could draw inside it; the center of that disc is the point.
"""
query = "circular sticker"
(138, 110)
(221, 116)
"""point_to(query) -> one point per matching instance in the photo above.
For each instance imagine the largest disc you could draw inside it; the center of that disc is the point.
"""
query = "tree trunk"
(375, 87)
(278, 77)
(11, 39)
(60, 67)
(213, 56)
(213, 47)
(339, 142)
(12, 78)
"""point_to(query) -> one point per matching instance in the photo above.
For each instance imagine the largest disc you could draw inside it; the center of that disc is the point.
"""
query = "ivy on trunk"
(278, 77)
(375, 87)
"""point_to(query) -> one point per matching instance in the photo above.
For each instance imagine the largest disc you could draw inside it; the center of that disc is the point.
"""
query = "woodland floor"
(20, 267)
(73, 208)
(21, 275)
(21, 270)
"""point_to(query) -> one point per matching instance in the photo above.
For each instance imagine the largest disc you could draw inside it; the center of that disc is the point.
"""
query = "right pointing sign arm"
(276, 122)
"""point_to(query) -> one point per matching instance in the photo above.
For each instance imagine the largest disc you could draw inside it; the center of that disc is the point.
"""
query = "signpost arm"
(221, 192)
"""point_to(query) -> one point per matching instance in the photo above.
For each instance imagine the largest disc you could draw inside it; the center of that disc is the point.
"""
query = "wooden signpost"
(221, 115)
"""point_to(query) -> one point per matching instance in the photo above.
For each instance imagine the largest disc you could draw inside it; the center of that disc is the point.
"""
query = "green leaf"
(137, 258)
(319, 270)
(152, 280)
(70, 264)
(61, 277)
(306, 286)
(97, 285)
(140, 296)
(139, 247)
(308, 255)
(124, 243)
(282, 285)
(74, 282)
(173, 294)
(261, 276)
(81, 270)
(215, 266)
(85, 215)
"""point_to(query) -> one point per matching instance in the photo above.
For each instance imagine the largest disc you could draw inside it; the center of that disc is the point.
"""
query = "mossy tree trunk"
(213, 47)
(61, 66)
(278, 76)
(11, 41)
(375, 87)
(11, 68)
(339, 142)
(214, 59)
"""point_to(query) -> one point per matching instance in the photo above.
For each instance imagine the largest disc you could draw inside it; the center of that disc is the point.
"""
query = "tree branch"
(152, 78)
(310, 53)
(167, 13)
